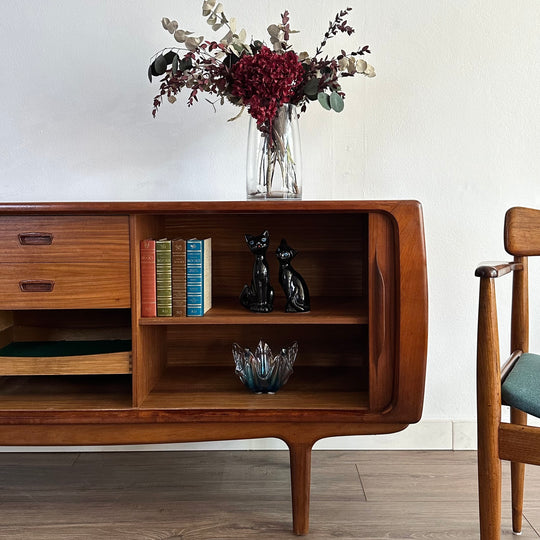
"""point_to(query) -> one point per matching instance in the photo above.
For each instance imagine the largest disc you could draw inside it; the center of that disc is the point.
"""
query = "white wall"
(452, 119)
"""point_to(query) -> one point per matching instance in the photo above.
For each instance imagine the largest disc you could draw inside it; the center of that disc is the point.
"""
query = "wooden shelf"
(218, 388)
(229, 311)
(66, 358)
(88, 392)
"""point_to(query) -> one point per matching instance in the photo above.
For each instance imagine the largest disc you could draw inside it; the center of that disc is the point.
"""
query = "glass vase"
(274, 160)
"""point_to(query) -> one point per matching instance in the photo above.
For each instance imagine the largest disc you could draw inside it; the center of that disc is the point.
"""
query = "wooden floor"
(237, 495)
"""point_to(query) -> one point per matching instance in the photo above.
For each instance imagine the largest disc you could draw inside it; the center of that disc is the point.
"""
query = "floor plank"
(242, 495)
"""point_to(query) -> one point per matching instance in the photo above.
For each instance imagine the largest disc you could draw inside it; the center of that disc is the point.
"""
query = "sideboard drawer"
(64, 286)
(64, 238)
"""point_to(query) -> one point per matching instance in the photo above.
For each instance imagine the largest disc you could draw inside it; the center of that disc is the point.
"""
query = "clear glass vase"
(274, 160)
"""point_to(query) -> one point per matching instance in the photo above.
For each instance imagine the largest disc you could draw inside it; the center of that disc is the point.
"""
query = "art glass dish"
(261, 371)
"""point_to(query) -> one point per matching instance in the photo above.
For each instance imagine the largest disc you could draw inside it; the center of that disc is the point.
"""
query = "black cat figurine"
(259, 296)
(294, 286)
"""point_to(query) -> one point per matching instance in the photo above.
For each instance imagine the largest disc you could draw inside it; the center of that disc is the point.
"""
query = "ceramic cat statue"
(293, 284)
(259, 296)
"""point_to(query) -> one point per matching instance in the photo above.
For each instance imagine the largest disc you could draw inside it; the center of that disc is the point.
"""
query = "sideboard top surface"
(164, 207)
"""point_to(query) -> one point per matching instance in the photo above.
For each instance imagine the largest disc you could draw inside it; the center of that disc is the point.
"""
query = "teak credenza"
(70, 273)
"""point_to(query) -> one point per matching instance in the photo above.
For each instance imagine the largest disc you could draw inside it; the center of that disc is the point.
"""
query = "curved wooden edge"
(157, 433)
(412, 324)
(496, 269)
(522, 231)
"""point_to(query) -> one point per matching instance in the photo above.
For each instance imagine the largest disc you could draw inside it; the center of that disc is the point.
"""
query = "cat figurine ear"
(259, 296)
(293, 284)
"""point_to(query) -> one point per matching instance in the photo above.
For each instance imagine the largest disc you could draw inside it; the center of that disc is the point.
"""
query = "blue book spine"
(194, 278)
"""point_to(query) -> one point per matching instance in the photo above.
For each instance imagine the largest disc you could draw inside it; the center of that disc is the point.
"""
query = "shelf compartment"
(66, 357)
(229, 311)
(338, 346)
(87, 392)
(218, 388)
(332, 248)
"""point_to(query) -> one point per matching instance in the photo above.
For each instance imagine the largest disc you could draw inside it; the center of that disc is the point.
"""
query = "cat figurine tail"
(293, 284)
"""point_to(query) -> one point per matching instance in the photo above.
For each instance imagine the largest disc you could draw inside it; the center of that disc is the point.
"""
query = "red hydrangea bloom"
(265, 81)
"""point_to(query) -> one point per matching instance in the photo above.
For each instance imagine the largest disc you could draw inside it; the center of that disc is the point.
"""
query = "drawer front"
(65, 286)
(64, 238)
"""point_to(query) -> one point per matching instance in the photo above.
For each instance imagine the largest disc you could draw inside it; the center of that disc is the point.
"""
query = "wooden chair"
(516, 384)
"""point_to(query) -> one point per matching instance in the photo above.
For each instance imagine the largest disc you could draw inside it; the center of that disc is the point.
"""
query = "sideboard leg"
(300, 459)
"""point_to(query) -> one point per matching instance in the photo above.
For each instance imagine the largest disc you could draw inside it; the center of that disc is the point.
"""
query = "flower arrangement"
(254, 75)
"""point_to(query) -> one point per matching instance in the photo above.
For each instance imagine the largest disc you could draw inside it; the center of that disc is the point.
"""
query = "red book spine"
(148, 278)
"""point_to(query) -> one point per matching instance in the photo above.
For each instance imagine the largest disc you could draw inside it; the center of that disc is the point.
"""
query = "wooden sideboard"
(70, 276)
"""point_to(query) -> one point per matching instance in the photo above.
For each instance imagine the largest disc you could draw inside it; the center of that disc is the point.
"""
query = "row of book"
(176, 277)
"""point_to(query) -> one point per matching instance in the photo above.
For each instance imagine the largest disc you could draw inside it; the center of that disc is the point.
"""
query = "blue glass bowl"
(261, 371)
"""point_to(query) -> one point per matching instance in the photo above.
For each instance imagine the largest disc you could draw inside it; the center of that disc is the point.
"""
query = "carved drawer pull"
(34, 285)
(35, 239)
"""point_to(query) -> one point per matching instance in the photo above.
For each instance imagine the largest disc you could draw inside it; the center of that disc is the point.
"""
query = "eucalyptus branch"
(335, 26)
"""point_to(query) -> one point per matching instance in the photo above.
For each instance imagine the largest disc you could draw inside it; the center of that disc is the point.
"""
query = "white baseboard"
(426, 435)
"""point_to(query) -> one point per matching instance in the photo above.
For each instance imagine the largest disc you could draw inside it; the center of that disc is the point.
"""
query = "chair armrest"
(496, 269)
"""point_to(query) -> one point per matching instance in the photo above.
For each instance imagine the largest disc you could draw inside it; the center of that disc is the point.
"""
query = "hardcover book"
(178, 250)
(148, 278)
(198, 276)
(163, 278)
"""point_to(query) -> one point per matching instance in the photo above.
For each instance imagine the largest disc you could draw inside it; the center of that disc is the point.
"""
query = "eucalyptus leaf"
(311, 87)
(175, 64)
(169, 57)
(361, 65)
(370, 71)
(169, 25)
(193, 42)
(207, 7)
(180, 36)
(273, 30)
(336, 102)
(160, 65)
(324, 100)
(172, 27)
(150, 72)
(238, 48)
(184, 64)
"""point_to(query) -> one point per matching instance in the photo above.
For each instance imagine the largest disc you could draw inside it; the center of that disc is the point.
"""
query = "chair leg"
(489, 490)
(488, 393)
(518, 477)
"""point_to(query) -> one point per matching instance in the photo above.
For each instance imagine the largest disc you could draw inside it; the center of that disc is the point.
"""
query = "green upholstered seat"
(521, 388)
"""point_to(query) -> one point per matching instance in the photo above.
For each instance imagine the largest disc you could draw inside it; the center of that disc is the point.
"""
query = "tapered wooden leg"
(489, 486)
(518, 477)
(488, 393)
(300, 458)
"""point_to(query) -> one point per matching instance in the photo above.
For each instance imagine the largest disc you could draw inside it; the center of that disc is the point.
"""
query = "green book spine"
(163, 278)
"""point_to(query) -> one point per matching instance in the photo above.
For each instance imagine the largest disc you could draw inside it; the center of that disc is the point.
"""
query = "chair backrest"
(522, 231)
